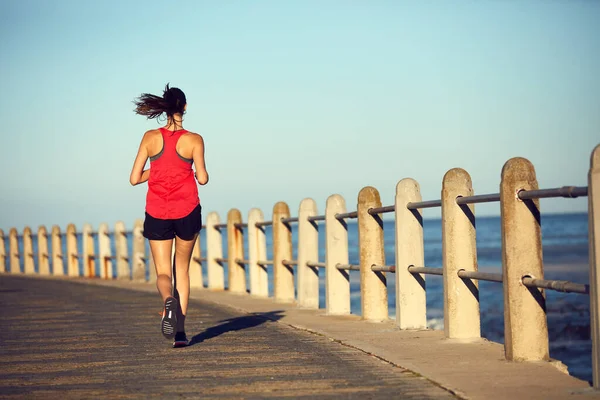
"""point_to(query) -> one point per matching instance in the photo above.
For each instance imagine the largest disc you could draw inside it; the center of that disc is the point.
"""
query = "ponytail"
(172, 102)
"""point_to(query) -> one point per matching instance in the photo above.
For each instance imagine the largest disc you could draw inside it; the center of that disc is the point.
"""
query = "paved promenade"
(62, 339)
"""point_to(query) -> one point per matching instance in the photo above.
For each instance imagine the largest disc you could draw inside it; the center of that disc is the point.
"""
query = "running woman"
(173, 210)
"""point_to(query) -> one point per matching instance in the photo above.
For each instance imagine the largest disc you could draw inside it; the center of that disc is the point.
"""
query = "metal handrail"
(241, 261)
(315, 264)
(314, 218)
(481, 198)
(221, 260)
(289, 263)
(425, 270)
(559, 286)
(348, 267)
(263, 223)
(424, 204)
(565, 191)
(482, 276)
(265, 262)
(381, 210)
(353, 214)
(383, 268)
(240, 225)
(289, 220)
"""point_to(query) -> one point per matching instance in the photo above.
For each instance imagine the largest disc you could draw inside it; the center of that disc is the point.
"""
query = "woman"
(173, 210)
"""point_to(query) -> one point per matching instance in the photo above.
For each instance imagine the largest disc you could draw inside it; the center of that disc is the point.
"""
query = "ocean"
(565, 255)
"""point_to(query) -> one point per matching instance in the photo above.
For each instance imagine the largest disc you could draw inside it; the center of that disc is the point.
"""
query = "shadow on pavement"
(236, 324)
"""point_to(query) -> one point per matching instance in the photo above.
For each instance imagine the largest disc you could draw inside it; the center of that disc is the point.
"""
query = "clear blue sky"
(294, 99)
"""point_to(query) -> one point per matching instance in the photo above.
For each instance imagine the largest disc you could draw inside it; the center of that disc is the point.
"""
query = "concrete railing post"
(257, 251)
(283, 275)
(43, 255)
(373, 285)
(196, 279)
(411, 307)
(57, 256)
(2, 252)
(214, 250)
(308, 251)
(461, 296)
(72, 256)
(105, 253)
(235, 251)
(89, 252)
(28, 260)
(594, 256)
(15, 257)
(138, 264)
(525, 325)
(337, 282)
(151, 268)
(121, 251)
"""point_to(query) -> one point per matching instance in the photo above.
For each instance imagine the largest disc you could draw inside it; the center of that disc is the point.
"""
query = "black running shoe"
(168, 324)
(181, 340)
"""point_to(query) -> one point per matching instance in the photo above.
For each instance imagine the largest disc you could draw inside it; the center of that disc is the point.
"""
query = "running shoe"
(181, 340)
(168, 324)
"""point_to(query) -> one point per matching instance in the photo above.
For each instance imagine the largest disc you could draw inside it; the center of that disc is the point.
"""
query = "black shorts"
(184, 228)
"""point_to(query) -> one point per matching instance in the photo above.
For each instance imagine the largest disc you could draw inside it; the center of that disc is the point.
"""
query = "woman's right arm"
(198, 157)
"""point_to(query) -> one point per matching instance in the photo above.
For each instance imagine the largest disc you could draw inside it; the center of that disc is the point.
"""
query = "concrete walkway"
(71, 339)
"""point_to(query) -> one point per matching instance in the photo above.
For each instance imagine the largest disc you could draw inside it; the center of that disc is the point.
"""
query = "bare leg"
(183, 254)
(161, 252)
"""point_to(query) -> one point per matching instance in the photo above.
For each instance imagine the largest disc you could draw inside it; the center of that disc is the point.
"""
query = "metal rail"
(424, 204)
(199, 259)
(348, 267)
(289, 263)
(265, 262)
(289, 220)
(565, 191)
(381, 210)
(383, 268)
(314, 218)
(219, 226)
(240, 225)
(353, 214)
(221, 260)
(425, 270)
(315, 264)
(240, 261)
(482, 276)
(481, 198)
(263, 223)
(559, 286)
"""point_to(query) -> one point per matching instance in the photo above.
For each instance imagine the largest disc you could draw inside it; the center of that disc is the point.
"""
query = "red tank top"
(172, 190)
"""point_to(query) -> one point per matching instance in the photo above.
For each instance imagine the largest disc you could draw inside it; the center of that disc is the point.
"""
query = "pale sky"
(294, 99)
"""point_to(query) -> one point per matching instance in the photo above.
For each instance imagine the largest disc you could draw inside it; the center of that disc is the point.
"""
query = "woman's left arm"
(138, 174)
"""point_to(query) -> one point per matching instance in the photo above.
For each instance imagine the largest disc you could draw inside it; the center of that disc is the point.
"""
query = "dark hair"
(172, 102)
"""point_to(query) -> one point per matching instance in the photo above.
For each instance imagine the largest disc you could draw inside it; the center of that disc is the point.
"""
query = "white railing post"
(105, 253)
(214, 250)
(138, 263)
(235, 251)
(308, 251)
(257, 251)
(594, 256)
(373, 285)
(43, 255)
(121, 251)
(2, 252)
(196, 279)
(283, 275)
(15, 257)
(57, 256)
(337, 282)
(411, 307)
(28, 260)
(72, 256)
(461, 296)
(89, 252)
(525, 325)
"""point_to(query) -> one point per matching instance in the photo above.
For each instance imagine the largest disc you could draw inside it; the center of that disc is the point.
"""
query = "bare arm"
(198, 157)
(138, 174)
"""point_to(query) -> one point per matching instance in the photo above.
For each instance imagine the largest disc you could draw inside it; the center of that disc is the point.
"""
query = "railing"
(522, 274)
